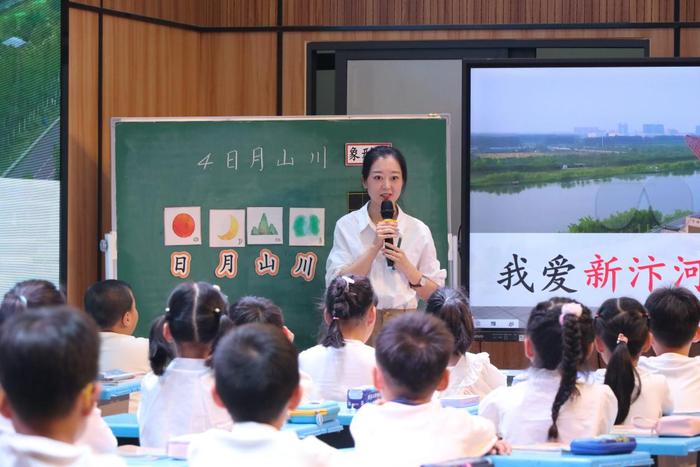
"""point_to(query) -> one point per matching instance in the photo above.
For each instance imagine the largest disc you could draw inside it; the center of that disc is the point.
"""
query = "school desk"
(124, 426)
(558, 458)
(114, 398)
(668, 446)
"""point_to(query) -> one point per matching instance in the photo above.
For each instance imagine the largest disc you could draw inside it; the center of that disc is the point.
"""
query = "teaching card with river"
(265, 226)
(306, 226)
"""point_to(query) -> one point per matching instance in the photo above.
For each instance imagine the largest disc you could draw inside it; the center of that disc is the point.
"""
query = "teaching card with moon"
(227, 227)
(306, 226)
(182, 225)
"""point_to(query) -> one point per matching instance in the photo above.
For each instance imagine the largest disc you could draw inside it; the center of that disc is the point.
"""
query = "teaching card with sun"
(227, 227)
(182, 225)
(306, 226)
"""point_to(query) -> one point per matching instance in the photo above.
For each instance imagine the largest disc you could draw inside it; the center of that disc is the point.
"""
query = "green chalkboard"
(235, 164)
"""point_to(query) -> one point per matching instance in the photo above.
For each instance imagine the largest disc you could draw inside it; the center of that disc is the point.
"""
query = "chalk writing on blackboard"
(205, 162)
(284, 160)
(233, 165)
(316, 157)
(258, 157)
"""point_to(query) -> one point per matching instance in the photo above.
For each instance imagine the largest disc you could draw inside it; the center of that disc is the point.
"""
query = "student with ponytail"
(622, 334)
(552, 403)
(470, 373)
(342, 360)
(176, 398)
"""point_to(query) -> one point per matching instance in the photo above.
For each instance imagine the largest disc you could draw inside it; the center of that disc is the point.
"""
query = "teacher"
(359, 241)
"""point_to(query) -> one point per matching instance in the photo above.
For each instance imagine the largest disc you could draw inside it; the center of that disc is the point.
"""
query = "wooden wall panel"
(241, 73)
(81, 239)
(690, 10)
(393, 12)
(690, 42)
(149, 71)
(213, 13)
(294, 100)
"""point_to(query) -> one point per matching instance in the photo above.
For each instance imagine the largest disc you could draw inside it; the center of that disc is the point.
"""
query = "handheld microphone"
(387, 211)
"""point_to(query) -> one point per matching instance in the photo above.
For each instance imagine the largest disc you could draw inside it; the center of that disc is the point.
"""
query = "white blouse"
(522, 412)
(473, 375)
(334, 371)
(354, 234)
(179, 402)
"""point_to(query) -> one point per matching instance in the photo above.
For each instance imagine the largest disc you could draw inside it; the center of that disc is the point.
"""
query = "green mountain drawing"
(264, 228)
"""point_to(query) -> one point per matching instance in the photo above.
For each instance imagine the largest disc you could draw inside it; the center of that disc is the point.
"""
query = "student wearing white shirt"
(674, 318)
(622, 334)
(257, 381)
(411, 429)
(49, 388)
(177, 399)
(33, 294)
(552, 403)
(470, 374)
(111, 303)
(342, 360)
(360, 236)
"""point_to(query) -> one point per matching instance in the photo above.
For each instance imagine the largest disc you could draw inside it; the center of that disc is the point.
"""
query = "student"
(469, 373)
(177, 400)
(674, 317)
(257, 381)
(342, 360)
(552, 403)
(37, 293)
(410, 428)
(251, 309)
(111, 303)
(622, 334)
(49, 388)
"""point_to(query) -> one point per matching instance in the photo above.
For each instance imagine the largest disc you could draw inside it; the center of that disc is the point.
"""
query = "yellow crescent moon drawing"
(232, 230)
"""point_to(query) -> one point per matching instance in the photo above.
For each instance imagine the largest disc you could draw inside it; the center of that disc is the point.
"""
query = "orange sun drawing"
(183, 225)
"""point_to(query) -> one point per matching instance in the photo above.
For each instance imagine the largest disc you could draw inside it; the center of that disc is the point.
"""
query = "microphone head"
(387, 209)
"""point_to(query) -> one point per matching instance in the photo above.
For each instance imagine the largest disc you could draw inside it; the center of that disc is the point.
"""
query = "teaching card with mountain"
(265, 226)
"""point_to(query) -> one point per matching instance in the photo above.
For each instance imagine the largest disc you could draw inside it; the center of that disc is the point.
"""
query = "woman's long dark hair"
(561, 340)
(628, 317)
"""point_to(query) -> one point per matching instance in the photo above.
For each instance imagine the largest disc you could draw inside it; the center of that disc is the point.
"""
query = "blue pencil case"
(603, 445)
(319, 412)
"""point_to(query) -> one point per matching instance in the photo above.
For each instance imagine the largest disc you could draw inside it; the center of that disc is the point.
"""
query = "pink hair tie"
(571, 308)
(621, 338)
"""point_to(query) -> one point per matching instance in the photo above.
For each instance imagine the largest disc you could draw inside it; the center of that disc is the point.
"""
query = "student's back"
(35, 294)
(257, 380)
(622, 334)
(112, 305)
(343, 360)
(551, 403)
(470, 373)
(49, 388)
(177, 400)
(409, 428)
(674, 316)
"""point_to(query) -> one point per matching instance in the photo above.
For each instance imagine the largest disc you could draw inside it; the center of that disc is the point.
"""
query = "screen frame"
(508, 334)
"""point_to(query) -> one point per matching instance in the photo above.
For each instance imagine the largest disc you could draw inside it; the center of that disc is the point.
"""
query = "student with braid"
(176, 398)
(552, 403)
(470, 373)
(343, 360)
(622, 334)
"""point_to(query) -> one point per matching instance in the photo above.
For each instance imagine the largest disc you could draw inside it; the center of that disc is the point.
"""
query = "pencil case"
(361, 395)
(603, 445)
(315, 412)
